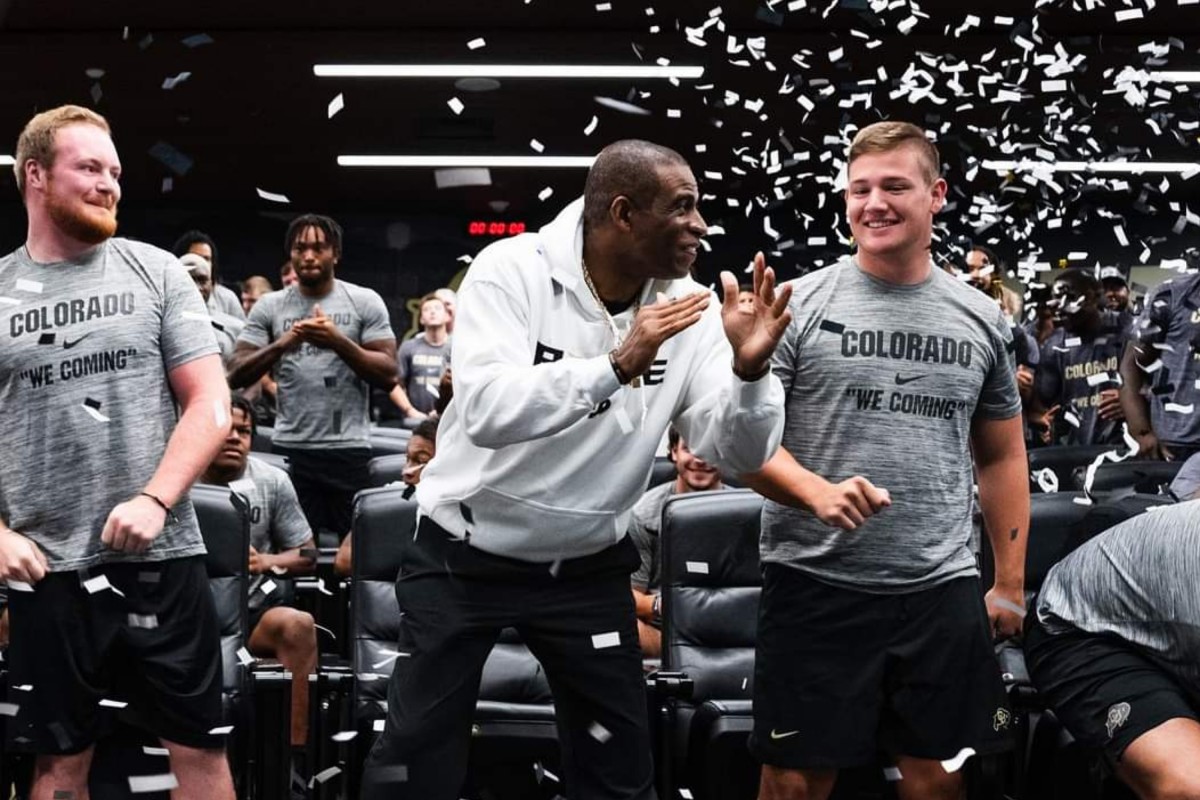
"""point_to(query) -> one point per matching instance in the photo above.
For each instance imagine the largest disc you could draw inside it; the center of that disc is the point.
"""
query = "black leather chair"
(1143, 477)
(389, 441)
(1063, 460)
(274, 459)
(514, 714)
(263, 435)
(711, 584)
(662, 471)
(387, 469)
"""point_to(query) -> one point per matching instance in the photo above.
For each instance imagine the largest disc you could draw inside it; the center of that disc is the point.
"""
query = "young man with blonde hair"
(98, 539)
(872, 622)
(422, 360)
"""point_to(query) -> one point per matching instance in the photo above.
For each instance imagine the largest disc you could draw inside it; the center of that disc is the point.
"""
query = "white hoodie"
(543, 453)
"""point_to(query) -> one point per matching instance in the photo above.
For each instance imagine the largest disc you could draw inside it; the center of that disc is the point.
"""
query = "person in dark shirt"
(1076, 387)
(1116, 288)
(1163, 356)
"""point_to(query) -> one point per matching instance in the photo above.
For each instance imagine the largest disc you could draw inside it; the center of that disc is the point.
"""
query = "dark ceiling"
(253, 116)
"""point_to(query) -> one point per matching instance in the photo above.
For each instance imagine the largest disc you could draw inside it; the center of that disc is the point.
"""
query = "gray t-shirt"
(277, 522)
(224, 300)
(1171, 317)
(227, 329)
(420, 367)
(1074, 370)
(321, 401)
(883, 381)
(85, 405)
(1136, 581)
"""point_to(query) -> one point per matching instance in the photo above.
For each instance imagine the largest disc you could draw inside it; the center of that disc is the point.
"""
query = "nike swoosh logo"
(901, 381)
(783, 735)
(67, 344)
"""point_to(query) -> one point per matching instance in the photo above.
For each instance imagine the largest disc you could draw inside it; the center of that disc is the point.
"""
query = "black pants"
(326, 481)
(455, 600)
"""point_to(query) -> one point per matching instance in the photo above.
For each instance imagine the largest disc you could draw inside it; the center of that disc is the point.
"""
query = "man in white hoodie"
(575, 348)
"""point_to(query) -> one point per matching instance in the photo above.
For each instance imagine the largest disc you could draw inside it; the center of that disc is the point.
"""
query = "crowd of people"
(877, 405)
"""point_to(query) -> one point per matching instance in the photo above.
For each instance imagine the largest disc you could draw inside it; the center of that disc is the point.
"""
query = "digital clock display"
(484, 227)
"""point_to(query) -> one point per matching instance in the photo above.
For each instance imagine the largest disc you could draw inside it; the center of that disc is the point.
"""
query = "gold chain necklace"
(608, 317)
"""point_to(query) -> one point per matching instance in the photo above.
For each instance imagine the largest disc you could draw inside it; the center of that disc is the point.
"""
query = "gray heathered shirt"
(276, 521)
(419, 367)
(1136, 581)
(321, 402)
(883, 381)
(85, 405)
(1171, 319)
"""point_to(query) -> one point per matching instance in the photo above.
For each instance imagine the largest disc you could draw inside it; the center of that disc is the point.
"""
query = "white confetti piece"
(537, 146)
(623, 421)
(106, 703)
(94, 413)
(1072, 341)
(324, 775)
(221, 730)
(268, 586)
(1071, 418)
(1054, 86)
(604, 6)
(674, 113)
(1177, 408)
(1098, 378)
(336, 105)
(25, 285)
(156, 751)
(9, 301)
(621, 105)
(172, 82)
(142, 784)
(544, 194)
(244, 657)
(598, 732)
(685, 793)
(378, 725)
(591, 126)
(603, 640)
(272, 196)
(278, 570)
(344, 736)
(475, 44)
(456, 105)
(9, 709)
(1008, 605)
(144, 621)
(892, 774)
(1082, 501)
(99, 584)
(699, 567)
(196, 315)
(24, 687)
(389, 657)
(19, 586)
(956, 763)
(1128, 14)
(1047, 479)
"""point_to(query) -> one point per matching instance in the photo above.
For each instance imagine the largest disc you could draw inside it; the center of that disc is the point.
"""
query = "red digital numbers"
(481, 227)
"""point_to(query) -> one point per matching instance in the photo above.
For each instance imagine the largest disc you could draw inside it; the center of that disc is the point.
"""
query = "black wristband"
(622, 378)
(170, 514)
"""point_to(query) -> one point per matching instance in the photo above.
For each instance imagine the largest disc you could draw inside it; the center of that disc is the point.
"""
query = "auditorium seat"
(387, 469)
(1143, 477)
(389, 441)
(1063, 460)
(274, 459)
(263, 436)
(514, 715)
(662, 471)
(711, 585)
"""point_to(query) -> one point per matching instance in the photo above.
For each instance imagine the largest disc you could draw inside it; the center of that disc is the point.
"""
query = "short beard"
(79, 226)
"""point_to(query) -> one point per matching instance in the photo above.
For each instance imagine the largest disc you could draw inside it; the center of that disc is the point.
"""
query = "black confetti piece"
(46, 338)
(330, 381)
(92, 404)
(832, 327)
(1158, 391)
(465, 510)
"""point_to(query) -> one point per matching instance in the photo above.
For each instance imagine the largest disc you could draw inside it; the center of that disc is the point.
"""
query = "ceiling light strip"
(571, 71)
(1092, 166)
(578, 162)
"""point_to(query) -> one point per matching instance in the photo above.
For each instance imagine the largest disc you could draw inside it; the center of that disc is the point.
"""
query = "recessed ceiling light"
(477, 84)
(577, 162)
(575, 71)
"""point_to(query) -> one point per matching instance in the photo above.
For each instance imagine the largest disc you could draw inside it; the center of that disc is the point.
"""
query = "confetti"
(700, 567)
(221, 730)
(456, 105)
(141, 784)
(336, 105)
(1177, 408)
(344, 736)
(1008, 605)
(1047, 479)
(956, 763)
(591, 126)
(272, 196)
(172, 82)
(598, 732)
(99, 584)
(544, 194)
(475, 44)
(244, 657)
(24, 285)
(106, 703)
(603, 640)
(268, 586)
(9, 709)
(892, 774)
(155, 751)
(19, 586)
(144, 621)
(197, 40)
(537, 146)
(324, 775)
(621, 105)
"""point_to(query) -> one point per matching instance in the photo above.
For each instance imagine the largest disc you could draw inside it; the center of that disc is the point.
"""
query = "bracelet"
(656, 608)
(170, 514)
(752, 378)
(622, 378)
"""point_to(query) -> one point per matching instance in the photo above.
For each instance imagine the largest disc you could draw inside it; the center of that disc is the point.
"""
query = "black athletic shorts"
(1101, 688)
(842, 677)
(156, 648)
(326, 481)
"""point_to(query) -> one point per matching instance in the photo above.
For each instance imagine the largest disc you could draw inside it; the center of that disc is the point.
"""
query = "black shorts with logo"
(843, 676)
(154, 646)
(1102, 689)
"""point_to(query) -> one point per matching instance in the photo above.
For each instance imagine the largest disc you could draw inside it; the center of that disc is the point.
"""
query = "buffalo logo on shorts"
(1001, 719)
(1118, 713)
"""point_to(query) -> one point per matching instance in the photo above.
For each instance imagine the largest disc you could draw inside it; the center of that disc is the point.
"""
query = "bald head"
(628, 167)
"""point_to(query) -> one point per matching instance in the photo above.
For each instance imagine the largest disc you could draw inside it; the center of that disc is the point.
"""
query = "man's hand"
(1150, 447)
(1045, 422)
(1024, 381)
(133, 525)
(318, 330)
(847, 504)
(20, 558)
(259, 562)
(653, 325)
(754, 333)
(1006, 611)
(1109, 406)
